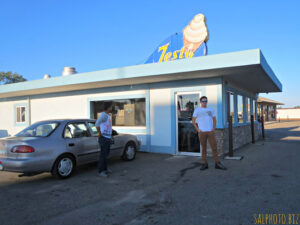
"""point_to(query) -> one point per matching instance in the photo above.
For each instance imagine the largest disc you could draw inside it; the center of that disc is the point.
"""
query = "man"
(104, 128)
(206, 125)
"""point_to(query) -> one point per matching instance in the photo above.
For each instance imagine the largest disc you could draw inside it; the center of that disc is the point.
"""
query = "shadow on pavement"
(283, 132)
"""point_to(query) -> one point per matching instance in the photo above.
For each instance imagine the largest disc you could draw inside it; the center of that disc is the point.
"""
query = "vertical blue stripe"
(221, 112)
(148, 125)
(235, 122)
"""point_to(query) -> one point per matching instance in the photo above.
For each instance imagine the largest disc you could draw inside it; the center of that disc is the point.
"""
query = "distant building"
(267, 108)
(288, 114)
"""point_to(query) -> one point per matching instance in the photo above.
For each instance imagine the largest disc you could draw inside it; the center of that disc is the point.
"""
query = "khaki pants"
(203, 136)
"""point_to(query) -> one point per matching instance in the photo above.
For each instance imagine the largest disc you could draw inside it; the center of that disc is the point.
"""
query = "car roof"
(67, 120)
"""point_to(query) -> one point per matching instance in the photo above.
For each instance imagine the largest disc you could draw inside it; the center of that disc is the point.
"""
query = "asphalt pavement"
(165, 189)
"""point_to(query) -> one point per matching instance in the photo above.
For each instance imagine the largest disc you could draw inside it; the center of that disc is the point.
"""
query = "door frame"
(176, 121)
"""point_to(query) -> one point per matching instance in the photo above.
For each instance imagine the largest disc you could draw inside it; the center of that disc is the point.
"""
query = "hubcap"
(65, 167)
(130, 152)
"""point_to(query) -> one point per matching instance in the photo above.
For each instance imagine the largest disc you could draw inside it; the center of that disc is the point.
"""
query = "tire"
(63, 167)
(129, 151)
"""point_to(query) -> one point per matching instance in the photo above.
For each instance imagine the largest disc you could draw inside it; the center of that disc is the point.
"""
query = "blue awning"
(246, 69)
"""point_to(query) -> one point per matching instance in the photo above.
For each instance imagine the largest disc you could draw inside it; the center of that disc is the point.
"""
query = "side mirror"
(114, 133)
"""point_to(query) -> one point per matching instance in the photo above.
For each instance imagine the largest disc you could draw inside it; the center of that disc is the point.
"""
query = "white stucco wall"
(52, 107)
(7, 120)
(58, 108)
(286, 114)
(211, 92)
(69, 107)
(160, 117)
(161, 136)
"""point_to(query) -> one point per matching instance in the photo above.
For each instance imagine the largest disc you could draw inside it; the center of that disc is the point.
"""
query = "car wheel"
(63, 167)
(129, 151)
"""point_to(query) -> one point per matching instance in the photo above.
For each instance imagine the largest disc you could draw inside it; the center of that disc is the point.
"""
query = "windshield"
(38, 130)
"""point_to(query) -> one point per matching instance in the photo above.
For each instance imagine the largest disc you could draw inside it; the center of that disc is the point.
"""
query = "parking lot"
(164, 189)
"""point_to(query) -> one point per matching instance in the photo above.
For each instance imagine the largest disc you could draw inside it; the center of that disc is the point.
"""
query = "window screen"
(20, 114)
(240, 108)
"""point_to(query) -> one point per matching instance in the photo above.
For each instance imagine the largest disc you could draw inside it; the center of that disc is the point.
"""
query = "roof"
(269, 101)
(63, 120)
(246, 69)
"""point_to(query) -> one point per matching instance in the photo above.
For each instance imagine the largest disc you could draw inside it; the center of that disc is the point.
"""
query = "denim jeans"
(104, 144)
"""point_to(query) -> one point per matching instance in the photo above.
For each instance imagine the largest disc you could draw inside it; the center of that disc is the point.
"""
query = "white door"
(186, 135)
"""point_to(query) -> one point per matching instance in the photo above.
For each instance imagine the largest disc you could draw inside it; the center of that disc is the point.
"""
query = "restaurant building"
(155, 100)
(267, 108)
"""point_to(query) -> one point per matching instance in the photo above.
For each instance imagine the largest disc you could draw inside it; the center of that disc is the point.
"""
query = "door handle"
(71, 144)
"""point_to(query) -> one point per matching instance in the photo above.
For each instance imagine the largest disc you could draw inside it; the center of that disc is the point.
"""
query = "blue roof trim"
(226, 60)
(269, 71)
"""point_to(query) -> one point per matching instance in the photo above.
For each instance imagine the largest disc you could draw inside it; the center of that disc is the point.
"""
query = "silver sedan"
(57, 146)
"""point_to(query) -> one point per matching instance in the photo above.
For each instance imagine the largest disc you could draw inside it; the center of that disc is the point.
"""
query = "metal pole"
(262, 127)
(252, 129)
(230, 136)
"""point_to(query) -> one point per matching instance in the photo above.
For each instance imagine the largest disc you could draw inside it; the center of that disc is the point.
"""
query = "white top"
(204, 118)
(104, 122)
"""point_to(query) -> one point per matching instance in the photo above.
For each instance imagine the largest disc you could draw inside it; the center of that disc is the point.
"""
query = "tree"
(297, 107)
(10, 77)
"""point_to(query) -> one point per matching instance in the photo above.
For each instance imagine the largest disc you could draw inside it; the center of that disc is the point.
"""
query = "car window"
(76, 130)
(93, 128)
(38, 130)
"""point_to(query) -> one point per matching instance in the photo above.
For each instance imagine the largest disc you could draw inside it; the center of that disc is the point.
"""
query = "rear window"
(38, 130)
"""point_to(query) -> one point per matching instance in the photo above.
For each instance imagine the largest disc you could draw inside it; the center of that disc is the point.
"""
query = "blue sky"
(39, 37)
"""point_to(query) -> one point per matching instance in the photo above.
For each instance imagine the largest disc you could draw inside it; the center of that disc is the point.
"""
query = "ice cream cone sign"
(195, 33)
(189, 43)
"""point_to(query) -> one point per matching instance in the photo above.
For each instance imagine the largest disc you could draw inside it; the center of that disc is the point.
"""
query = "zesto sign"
(186, 44)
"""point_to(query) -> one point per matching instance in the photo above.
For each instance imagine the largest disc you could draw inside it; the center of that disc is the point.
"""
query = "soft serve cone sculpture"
(195, 33)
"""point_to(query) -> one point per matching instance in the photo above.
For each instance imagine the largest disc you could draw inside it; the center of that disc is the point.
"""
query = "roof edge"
(209, 62)
(269, 71)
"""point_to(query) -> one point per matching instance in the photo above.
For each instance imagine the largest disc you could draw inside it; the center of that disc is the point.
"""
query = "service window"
(76, 130)
(20, 114)
(126, 112)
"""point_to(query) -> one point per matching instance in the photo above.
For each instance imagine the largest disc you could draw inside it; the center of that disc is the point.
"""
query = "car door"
(94, 137)
(79, 141)
(116, 144)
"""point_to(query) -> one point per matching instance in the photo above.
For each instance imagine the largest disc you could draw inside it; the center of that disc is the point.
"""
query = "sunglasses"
(204, 101)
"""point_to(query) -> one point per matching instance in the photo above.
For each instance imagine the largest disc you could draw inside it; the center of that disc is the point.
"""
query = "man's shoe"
(204, 166)
(108, 171)
(102, 174)
(220, 166)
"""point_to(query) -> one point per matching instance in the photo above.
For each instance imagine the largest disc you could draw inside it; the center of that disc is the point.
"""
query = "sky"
(42, 37)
